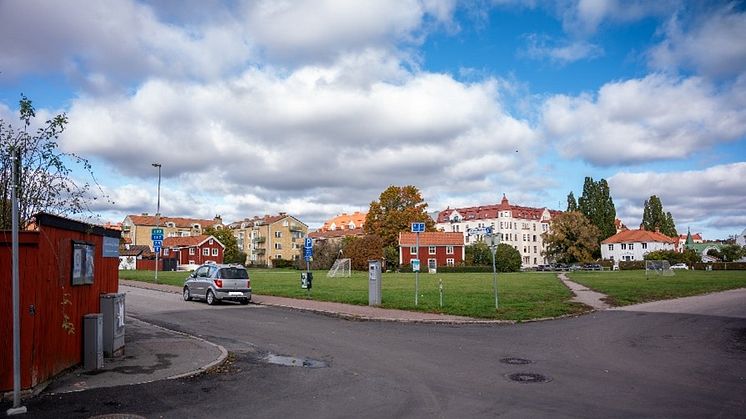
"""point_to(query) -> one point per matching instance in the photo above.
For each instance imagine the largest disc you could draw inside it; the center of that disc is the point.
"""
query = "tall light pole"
(157, 215)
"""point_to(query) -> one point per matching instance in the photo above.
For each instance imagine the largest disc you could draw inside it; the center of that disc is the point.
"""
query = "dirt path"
(583, 294)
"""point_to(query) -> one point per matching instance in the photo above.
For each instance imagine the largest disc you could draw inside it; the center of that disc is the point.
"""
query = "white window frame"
(192, 251)
(449, 250)
(431, 250)
(412, 250)
(611, 247)
(215, 251)
(278, 234)
(450, 262)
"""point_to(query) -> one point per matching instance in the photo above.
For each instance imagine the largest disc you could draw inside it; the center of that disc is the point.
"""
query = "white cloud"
(649, 119)
(712, 198)
(583, 17)
(562, 52)
(714, 46)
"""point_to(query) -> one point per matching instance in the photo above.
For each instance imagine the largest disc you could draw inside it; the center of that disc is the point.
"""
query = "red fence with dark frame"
(51, 307)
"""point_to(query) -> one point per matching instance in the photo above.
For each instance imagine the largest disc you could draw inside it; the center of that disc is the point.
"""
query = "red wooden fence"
(51, 308)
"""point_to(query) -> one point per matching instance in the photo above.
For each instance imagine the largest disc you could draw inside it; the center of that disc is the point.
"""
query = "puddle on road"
(291, 361)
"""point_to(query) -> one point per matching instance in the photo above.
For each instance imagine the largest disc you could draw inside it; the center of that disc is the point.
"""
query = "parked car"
(217, 282)
(592, 267)
(680, 266)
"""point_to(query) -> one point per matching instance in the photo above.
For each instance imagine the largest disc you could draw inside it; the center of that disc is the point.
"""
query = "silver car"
(217, 282)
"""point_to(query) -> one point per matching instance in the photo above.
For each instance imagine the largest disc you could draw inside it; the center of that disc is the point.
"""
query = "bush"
(283, 263)
(720, 266)
(627, 265)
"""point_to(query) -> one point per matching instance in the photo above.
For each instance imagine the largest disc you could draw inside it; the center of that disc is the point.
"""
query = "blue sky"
(315, 107)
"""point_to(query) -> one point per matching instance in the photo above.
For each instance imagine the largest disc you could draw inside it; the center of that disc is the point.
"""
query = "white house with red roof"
(520, 227)
(193, 250)
(630, 245)
(437, 248)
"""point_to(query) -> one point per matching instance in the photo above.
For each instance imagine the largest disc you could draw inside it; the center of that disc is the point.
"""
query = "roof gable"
(189, 241)
(639, 236)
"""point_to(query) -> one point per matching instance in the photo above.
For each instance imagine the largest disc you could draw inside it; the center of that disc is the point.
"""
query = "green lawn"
(522, 296)
(632, 287)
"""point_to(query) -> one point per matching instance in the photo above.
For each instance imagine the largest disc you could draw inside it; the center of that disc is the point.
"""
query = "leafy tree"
(732, 252)
(572, 238)
(46, 182)
(391, 256)
(478, 254)
(396, 208)
(572, 204)
(232, 253)
(653, 218)
(689, 256)
(362, 249)
(507, 258)
(324, 254)
(598, 206)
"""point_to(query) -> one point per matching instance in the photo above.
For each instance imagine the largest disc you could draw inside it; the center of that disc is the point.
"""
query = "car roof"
(224, 265)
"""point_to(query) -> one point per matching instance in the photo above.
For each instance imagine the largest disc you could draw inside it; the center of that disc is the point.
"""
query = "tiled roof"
(490, 211)
(697, 236)
(430, 238)
(332, 234)
(134, 250)
(180, 222)
(190, 241)
(265, 220)
(344, 219)
(639, 236)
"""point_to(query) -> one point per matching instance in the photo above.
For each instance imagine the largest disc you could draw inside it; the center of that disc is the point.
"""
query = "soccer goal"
(658, 267)
(341, 267)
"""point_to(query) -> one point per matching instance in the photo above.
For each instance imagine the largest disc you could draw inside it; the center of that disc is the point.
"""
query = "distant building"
(517, 226)
(436, 249)
(741, 238)
(269, 238)
(619, 225)
(130, 254)
(341, 226)
(193, 250)
(136, 229)
(683, 238)
(631, 245)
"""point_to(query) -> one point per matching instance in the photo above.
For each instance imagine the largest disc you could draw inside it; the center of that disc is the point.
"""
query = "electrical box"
(93, 346)
(374, 282)
(112, 308)
(306, 280)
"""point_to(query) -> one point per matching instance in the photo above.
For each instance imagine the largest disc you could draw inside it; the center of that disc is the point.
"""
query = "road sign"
(418, 227)
(308, 243)
(156, 249)
(157, 231)
(156, 237)
(415, 265)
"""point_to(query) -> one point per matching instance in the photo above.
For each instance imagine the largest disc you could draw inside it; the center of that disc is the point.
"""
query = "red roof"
(190, 241)
(256, 221)
(180, 222)
(432, 238)
(639, 236)
(490, 211)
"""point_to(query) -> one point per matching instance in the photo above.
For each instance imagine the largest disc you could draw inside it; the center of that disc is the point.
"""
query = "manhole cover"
(515, 361)
(528, 377)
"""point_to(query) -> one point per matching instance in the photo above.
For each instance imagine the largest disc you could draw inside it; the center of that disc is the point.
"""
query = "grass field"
(522, 296)
(632, 287)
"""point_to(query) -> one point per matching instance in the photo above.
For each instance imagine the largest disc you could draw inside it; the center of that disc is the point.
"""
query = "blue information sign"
(156, 231)
(156, 237)
(308, 243)
(418, 227)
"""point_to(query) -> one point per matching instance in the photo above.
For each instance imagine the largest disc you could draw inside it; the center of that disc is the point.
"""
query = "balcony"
(294, 227)
(258, 251)
(259, 240)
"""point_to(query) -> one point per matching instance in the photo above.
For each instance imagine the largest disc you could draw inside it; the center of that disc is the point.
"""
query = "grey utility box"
(112, 307)
(93, 345)
(374, 282)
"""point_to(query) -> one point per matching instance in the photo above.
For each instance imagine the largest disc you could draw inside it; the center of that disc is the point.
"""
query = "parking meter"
(306, 280)
(374, 282)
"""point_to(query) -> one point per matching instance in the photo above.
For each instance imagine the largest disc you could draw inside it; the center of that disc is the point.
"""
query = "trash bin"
(112, 308)
(374, 282)
(93, 347)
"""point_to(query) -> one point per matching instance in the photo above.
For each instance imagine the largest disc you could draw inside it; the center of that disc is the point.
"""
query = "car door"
(200, 281)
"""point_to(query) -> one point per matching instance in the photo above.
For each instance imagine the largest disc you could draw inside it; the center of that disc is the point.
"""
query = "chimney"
(282, 214)
(218, 219)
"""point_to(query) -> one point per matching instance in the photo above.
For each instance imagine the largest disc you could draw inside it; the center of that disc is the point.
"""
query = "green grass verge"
(522, 296)
(633, 287)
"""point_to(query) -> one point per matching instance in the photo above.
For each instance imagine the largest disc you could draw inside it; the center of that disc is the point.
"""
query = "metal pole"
(417, 274)
(494, 269)
(17, 408)
(157, 215)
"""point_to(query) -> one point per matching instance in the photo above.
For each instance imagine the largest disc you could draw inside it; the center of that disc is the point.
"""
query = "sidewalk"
(151, 353)
(348, 311)
(584, 295)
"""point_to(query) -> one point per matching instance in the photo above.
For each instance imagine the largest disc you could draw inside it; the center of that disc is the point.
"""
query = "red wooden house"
(436, 249)
(193, 250)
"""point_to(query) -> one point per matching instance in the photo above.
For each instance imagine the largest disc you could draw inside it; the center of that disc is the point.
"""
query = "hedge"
(721, 266)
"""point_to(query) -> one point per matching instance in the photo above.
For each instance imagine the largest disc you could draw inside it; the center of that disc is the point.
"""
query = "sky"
(314, 107)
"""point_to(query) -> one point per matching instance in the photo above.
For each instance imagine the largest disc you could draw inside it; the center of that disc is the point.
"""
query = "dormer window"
(170, 224)
(196, 226)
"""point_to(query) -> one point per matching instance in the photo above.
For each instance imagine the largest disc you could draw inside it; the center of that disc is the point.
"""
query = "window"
(278, 256)
(215, 251)
(611, 247)
(205, 252)
(165, 251)
(644, 245)
(624, 246)
(631, 246)
(278, 246)
(431, 250)
(413, 250)
(450, 262)
(211, 242)
(534, 234)
(535, 251)
(278, 234)
(191, 251)
(449, 250)
(184, 233)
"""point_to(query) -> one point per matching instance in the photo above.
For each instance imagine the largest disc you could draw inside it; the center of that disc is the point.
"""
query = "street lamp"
(157, 216)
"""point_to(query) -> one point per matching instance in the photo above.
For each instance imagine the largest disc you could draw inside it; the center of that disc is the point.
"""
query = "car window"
(212, 271)
(233, 273)
(201, 271)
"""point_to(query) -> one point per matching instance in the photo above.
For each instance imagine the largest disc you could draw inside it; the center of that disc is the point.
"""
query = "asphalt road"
(660, 360)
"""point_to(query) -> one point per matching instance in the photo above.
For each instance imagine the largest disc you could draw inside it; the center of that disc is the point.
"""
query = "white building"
(520, 227)
(634, 244)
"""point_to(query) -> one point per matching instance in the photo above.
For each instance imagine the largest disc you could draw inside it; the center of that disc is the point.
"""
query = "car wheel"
(244, 301)
(211, 300)
(187, 295)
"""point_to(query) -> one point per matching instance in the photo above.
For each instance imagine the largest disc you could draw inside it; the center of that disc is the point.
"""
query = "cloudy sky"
(314, 107)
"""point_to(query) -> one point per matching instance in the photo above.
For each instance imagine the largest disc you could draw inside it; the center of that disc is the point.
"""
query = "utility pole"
(157, 218)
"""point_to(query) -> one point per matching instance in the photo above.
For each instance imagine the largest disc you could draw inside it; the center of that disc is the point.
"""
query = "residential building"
(269, 238)
(136, 229)
(193, 250)
(689, 237)
(630, 245)
(517, 226)
(436, 249)
(341, 226)
(129, 254)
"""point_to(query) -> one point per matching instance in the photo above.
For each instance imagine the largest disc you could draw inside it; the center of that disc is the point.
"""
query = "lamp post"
(157, 216)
